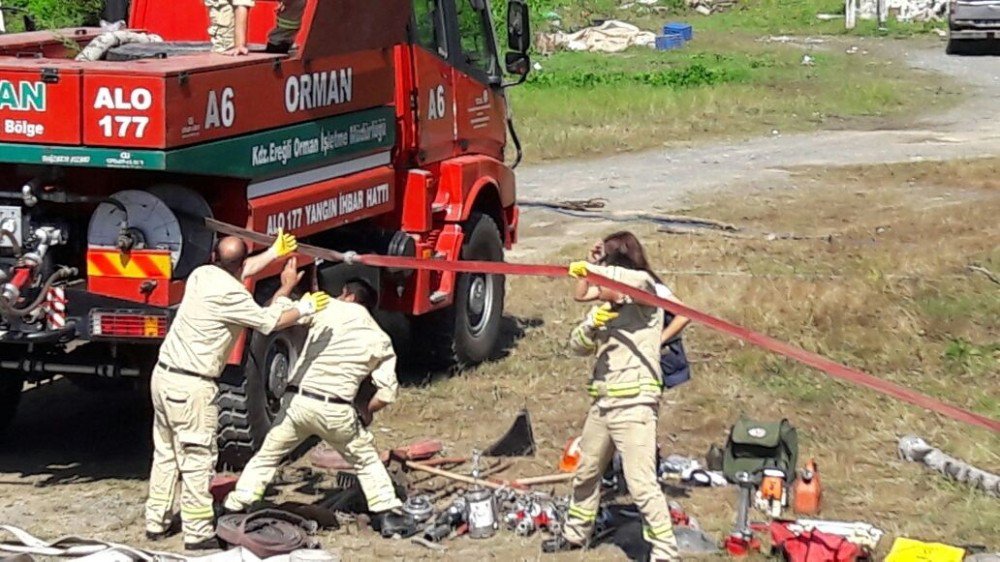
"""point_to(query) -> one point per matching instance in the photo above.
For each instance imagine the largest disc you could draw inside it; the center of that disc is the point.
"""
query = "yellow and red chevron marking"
(138, 264)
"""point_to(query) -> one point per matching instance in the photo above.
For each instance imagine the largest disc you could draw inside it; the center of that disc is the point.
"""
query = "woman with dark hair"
(624, 337)
(623, 249)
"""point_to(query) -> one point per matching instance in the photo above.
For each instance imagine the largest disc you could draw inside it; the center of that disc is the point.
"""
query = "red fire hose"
(829, 367)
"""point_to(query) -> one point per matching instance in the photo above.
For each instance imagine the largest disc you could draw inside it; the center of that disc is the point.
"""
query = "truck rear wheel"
(11, 387)
(249, 407)
(467, 332)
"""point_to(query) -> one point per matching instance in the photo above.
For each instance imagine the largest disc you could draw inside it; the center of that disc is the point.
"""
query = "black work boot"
(393, 522)
(278, 48)
(207, 544)
(173, 529)
(559, 543)
(156, 537)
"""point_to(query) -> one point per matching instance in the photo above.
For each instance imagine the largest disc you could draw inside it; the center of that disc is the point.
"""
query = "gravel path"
(663, 178)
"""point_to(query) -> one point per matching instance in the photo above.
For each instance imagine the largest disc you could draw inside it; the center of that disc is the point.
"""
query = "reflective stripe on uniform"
(156, 499)
(663, 531)
(583, 340)
(249, 496)
(577, 512)
(288, 24)
(624, 390)
(197, 512)
(381, 503)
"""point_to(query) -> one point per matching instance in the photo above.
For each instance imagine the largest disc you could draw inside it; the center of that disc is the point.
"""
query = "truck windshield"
(476, 36)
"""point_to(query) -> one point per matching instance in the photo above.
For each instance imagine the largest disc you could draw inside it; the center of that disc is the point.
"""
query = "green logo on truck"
(22, 96)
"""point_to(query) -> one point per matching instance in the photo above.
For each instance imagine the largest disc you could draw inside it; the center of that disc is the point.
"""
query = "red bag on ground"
(812, 546)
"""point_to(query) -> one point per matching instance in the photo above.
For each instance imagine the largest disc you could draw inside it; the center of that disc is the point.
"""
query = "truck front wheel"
(249, 405)
(958, 46)
(11, 385)
(467, 332)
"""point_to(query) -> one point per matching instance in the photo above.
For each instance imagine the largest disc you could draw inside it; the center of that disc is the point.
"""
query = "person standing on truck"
(626, 386)
(114, 16)
(344, 347)
(282, 37)
(215, 309)
(279, 41)
(229, 23)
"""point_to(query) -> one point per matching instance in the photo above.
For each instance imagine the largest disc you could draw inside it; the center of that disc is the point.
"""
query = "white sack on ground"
(612, 36)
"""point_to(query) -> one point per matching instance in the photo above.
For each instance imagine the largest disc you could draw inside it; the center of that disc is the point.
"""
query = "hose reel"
(163, 217)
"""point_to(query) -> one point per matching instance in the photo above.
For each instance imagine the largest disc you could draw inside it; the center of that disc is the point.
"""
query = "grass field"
(794, 17)
(890, 294)
(582, 104)
(720, 86)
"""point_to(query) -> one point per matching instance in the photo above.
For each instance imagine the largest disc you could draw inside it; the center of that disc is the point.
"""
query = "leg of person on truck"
(282, 37)
(228, 25)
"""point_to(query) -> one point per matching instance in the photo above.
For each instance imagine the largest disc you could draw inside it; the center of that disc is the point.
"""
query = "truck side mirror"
(518, 64)
(518, 26)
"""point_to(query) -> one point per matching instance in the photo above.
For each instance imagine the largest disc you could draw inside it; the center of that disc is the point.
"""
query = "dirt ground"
(887, 291)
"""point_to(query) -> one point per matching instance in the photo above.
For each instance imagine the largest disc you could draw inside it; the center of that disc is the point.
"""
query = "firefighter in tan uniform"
(626, 387)
(229, 25)
(344, 347)
(215, 310)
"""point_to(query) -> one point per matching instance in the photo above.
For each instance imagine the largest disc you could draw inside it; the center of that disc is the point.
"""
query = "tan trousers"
(222, 25)
(338, 425)
(185, 418)
(632, 431)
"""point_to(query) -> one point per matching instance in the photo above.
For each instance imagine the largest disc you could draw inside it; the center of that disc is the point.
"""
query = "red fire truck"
(383, 131)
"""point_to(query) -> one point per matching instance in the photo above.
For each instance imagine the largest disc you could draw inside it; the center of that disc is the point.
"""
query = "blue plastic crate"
(669, 41)
(682, 29)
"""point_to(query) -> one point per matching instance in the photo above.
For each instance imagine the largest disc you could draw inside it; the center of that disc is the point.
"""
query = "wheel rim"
(479, 305)
(279, 366)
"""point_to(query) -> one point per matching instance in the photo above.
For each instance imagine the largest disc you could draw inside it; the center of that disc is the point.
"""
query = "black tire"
(467, 332)
(249, 402)
(957, 47)
(11, 387)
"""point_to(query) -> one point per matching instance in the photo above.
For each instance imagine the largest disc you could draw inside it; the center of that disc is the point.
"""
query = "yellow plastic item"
(909, 550)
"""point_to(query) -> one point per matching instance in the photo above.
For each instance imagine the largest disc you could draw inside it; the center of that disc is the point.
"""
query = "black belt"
(321, 397)
(176, 371)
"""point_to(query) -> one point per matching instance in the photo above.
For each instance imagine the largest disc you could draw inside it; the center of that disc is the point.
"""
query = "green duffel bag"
(753, 445)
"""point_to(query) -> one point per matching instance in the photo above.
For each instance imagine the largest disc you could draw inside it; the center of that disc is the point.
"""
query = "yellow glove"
(311, 303)
(578, 269)
(600, 316)
(285, 244)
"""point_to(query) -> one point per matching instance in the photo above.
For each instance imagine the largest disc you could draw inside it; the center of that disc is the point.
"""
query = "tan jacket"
(215, 309)
(344, 346)
(627, 350)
